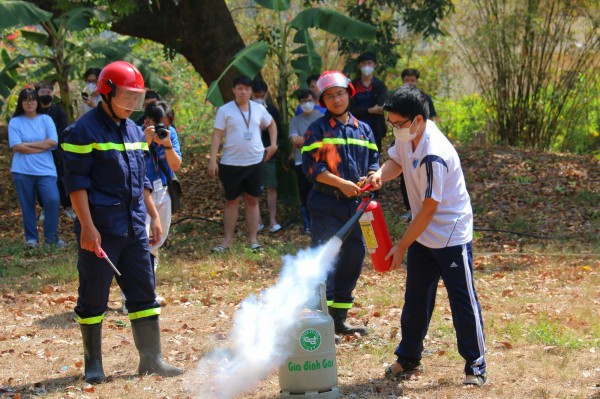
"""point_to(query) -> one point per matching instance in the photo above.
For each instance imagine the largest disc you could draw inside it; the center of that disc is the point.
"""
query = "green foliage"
(299, 54)
(461, 119)
(187, 94)
(21, 13)
(394, 19)
(579, 125)
(530, 60)
(248, 61)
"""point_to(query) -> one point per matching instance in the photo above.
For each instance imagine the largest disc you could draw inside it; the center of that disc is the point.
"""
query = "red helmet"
(123, 83)
(329, 79)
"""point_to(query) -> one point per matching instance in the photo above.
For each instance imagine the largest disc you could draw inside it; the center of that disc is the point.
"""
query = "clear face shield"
(129, 98)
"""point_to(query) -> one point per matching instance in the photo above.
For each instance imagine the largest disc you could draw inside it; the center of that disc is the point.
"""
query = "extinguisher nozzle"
(346, 229)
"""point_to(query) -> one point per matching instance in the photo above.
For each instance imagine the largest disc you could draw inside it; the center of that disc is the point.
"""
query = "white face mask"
(91, 87)
(261, 101)
(367, 70)
(307, 107)
(404, 134)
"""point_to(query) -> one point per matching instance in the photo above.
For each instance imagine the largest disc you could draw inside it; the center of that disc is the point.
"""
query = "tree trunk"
(200, 30)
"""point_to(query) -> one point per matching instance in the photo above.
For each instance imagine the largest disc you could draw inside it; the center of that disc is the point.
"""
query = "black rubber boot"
(339, 322)
(146, 335)
(92, 352)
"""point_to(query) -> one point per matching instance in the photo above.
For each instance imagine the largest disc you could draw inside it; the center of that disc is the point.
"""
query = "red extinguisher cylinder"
(376, 234)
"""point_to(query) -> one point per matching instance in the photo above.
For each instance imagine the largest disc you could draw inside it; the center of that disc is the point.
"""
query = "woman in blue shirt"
(32, 137)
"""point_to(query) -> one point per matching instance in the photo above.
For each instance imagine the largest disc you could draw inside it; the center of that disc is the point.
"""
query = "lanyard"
(247, 122)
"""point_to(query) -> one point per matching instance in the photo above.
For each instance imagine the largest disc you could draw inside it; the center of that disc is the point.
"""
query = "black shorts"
(238, 180)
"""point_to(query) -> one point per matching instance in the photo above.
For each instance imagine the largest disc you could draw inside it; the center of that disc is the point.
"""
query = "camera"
(84, 95)
(161, 130)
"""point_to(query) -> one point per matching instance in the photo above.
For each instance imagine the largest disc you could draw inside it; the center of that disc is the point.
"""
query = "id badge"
(157, 184)
(247, 135)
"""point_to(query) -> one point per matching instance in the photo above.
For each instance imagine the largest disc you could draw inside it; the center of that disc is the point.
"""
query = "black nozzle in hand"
(346, 229)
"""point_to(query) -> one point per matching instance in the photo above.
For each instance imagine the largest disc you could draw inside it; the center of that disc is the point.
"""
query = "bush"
(461, 119)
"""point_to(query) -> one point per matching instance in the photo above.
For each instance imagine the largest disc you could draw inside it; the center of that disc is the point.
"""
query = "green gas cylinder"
(311, 370)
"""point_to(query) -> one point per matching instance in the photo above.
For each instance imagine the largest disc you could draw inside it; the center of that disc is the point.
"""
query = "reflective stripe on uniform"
(144, 313)
(87, 148)
(338, 305)
(338, 141)
(91, 320)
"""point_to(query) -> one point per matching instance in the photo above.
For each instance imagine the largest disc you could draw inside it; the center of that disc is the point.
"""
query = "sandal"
(219, 249)
(476, 380)
(406, 371)
(255, 246)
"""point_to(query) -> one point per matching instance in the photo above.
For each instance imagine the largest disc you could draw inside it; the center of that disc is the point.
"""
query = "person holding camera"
(164, 156)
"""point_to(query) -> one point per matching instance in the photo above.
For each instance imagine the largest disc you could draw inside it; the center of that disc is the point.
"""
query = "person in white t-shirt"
(239, 124)
(438, 242)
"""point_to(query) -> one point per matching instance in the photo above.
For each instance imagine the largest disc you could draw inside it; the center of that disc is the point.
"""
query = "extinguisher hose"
(346, 229)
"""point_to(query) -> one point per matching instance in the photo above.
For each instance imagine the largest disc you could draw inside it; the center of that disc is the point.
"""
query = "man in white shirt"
(438, 242)
(239, 124)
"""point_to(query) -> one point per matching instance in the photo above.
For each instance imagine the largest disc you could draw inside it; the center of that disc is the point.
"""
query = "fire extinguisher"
(375, 231)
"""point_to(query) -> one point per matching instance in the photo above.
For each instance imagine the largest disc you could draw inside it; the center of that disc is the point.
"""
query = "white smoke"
(263, 327)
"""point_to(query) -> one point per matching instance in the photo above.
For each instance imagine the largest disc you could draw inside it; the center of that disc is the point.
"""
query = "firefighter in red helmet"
(338, 153)
(103, 153)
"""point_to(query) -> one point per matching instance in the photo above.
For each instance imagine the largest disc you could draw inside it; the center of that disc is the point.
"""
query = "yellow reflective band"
(91, 320)
(87, 148)
(338, 305)
(144, 313)
(363, 143)
(329, 303)
(337, 141)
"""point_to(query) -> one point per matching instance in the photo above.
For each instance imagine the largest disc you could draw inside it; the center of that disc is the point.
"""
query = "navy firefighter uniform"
(107, 160)
(348, 151)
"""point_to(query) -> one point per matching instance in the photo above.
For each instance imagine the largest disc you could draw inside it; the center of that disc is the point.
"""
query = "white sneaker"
(31, 244)
(42, 217)
(261, 226)
(70, 213)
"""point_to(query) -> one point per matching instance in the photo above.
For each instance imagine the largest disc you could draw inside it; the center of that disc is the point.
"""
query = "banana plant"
(298, 57)
(60, 49)
(14, 14)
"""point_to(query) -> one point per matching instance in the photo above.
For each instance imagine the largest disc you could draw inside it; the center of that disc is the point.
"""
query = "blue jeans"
(27, 186)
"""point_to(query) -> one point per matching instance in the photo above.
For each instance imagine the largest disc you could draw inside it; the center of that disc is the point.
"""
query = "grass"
(552, 332)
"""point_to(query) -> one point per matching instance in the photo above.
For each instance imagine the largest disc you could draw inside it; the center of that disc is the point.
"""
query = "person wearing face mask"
(298, 125)
(438, 242)
(367, 104)
(90, 95)
(59, 116)
(260, 94)
(311, 83)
